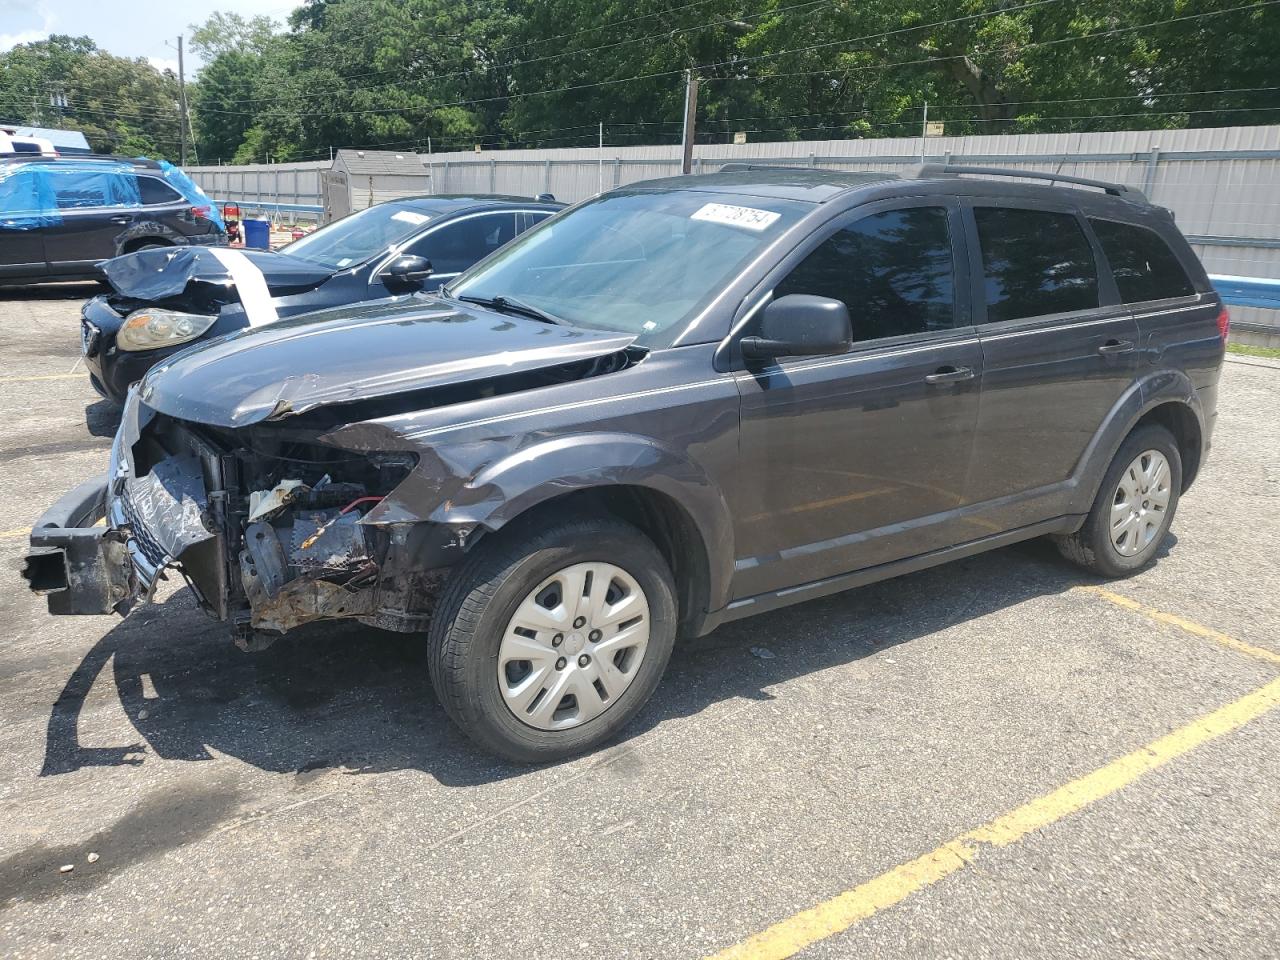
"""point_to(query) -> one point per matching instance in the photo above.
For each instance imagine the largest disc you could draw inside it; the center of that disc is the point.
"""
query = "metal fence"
(289, 190)
(1223, 184)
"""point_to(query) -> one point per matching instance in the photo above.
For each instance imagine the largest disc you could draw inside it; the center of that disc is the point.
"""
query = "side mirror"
(800, 325)
(406, 273)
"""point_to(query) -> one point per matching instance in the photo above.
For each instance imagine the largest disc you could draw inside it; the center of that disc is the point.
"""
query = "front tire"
(549, 639)
(1134, 509)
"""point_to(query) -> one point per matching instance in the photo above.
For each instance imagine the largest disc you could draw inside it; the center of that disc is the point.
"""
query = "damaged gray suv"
(678, 404)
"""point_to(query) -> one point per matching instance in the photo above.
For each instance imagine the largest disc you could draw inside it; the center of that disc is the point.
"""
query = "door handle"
(1115, 346)
(949, 374)
(121, 219)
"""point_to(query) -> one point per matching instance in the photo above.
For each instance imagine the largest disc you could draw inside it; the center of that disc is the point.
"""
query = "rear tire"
(1134, 508)
(517, 592)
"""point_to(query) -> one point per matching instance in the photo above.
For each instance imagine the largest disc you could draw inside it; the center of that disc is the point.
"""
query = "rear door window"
(1142, 263)
(1035, 263)
(893, 270)
(79, 191)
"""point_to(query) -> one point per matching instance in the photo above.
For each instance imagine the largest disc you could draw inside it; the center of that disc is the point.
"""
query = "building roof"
(66, 141)
(366, 162)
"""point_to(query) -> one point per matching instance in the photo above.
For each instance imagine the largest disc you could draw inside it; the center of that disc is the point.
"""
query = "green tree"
(121, 105)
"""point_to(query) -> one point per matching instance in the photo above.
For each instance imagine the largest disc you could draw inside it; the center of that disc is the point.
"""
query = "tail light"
(203, 211)
(1224, 324)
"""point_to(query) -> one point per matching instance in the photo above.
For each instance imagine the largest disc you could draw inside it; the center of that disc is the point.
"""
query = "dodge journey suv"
(678, 404)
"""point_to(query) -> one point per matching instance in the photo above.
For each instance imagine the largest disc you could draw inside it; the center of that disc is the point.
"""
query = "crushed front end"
(269, 527)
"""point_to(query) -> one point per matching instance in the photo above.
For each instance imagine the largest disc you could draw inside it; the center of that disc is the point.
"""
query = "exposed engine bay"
(283, 475)
(287, 517)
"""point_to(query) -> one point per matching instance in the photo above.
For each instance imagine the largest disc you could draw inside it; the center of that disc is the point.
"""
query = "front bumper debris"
(79, 565)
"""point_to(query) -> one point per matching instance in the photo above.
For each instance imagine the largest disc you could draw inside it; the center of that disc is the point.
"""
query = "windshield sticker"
(408, 216)
(749, 218)
(343, 262)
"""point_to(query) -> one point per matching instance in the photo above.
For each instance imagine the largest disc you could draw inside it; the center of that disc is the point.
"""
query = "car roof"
(783, 183)
(442, 203)
(85, 161)
(822, 186)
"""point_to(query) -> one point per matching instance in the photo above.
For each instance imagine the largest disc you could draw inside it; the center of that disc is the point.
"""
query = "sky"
(126, 28)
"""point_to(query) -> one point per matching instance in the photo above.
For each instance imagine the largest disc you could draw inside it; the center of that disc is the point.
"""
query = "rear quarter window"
(154, 191)
(1144, 266)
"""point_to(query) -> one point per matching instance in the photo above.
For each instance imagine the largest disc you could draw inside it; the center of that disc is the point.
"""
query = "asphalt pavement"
(998, 758)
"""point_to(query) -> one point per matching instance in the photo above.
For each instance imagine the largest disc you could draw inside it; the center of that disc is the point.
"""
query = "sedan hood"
(355, 353)
(160, 274)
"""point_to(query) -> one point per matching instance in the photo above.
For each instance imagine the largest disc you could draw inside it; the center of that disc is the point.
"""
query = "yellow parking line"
(1188, 625)
(46, 376)
(840, 913)
(17, 532)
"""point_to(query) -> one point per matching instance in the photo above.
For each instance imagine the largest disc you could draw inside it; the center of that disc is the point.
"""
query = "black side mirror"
(406, 273)
(800, 325)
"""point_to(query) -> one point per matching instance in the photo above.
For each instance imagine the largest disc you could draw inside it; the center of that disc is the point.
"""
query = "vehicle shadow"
(102, 418)
(351, 697)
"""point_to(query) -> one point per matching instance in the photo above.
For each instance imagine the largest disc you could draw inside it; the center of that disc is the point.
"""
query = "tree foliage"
(121, 105)
(505, 73)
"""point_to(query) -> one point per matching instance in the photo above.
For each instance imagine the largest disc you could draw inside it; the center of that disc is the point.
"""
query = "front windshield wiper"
(512, 305)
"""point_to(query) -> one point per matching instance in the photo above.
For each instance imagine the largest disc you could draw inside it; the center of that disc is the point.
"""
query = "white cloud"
(29, 14)
(163, 63)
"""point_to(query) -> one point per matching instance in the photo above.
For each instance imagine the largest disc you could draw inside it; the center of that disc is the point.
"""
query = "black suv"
(678, 404)
(59, 218)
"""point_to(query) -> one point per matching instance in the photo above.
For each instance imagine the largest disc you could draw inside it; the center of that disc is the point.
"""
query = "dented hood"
(358, 352)
(160, 274)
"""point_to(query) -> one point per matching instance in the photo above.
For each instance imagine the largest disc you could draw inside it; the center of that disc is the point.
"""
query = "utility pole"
(924, 130)
(690, 116)
(185, 122)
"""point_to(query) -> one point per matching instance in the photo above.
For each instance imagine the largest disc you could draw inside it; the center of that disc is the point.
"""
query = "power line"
(700, 67)
(664, 35)
(407, 70)
(959, 106)
(1019, 48)
(877, 67)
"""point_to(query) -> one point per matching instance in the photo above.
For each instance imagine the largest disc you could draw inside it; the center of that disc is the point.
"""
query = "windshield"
(358, 237)
(638, 263)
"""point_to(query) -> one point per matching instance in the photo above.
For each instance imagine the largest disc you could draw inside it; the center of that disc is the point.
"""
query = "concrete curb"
(1249, 361)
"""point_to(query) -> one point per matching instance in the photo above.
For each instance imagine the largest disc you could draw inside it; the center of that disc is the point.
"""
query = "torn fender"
(513, 484)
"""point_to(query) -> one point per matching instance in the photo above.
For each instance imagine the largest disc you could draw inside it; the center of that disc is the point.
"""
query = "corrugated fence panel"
(1223, 184)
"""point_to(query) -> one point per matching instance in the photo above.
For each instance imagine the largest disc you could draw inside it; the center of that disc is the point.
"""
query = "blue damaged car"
(60, 218)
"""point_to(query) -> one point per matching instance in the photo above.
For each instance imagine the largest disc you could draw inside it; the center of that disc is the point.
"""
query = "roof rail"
(929, 170)
(141, 162)
(737, 166)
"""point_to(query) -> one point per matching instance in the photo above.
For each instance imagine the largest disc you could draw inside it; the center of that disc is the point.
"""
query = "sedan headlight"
(151, 328)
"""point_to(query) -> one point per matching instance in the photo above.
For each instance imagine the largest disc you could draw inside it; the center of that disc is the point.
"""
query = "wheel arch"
(130, 246)
(664, 494)
(1165, 397)
(1179, 419)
